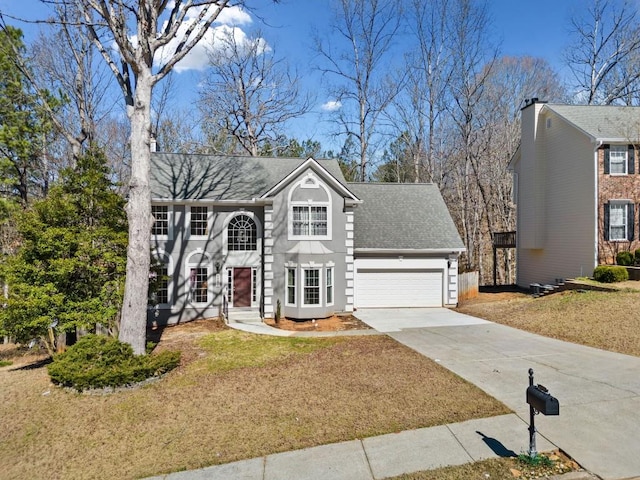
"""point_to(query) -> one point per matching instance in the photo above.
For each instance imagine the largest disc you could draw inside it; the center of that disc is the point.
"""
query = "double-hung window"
(161, 220)
(159, 283)
(199, 221)
(199, 288)
(618, 221)
(310, 221)
(311, 286)
(162, 289)
(618, 159)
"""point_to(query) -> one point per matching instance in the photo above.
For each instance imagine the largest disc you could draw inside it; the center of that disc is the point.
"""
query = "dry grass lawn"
(606, 320)
(236, 396)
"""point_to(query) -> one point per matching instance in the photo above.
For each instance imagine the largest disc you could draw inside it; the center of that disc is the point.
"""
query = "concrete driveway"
(599, 391)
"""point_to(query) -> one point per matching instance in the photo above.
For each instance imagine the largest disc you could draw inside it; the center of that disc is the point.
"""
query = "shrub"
(98, 361)
(610, 274)
(636, 255)
(625, 258)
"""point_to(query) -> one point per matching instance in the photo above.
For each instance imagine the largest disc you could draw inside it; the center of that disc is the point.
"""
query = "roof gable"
(312, 164)
(606, 123)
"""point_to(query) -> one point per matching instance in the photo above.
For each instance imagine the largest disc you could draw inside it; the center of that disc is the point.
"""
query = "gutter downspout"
(596, 209)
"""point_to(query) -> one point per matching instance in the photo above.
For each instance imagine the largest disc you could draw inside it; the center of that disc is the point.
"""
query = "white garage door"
(398, 288)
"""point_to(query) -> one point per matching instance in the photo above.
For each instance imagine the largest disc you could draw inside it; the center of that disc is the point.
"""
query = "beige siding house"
(576, 189)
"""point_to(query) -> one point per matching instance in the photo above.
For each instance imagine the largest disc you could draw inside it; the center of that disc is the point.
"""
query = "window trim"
(169, 235)
(305, 287)
(294, 286)
(309, 181)
(166, 259)
(208, 221)
(255, 231)
(329, 280)
(625, 204)
(206, 264)
(625, 161)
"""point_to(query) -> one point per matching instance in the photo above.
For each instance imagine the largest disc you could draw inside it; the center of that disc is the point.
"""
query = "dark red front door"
(241, 287)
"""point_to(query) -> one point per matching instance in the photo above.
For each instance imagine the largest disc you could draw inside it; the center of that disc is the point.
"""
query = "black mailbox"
(540, 399)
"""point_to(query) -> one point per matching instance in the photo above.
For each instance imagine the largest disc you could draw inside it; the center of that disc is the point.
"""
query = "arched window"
(242, 233)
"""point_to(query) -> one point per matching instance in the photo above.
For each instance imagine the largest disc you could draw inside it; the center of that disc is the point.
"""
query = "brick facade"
(617, 187)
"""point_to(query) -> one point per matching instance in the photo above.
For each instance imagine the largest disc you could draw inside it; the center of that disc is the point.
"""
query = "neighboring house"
(256, 233)
(577, 189)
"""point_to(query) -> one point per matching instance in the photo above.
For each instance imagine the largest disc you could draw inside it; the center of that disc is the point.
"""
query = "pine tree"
(69, 270)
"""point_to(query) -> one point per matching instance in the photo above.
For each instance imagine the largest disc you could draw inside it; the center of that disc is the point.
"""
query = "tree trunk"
(134, 309)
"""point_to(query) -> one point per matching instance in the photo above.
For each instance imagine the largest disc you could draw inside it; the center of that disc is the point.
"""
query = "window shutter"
(630, 221)
(606, 158)
(631, 161)
(606, 221)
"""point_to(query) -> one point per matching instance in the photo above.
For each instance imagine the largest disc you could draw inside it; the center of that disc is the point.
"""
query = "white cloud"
(331, 105)
(198, 57)
(234, 15)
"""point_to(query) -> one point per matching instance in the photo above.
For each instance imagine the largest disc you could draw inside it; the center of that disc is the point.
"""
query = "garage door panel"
(398, 288)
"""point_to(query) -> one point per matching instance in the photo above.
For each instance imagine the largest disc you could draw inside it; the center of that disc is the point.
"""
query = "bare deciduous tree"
(421, 104)
(144, 32)
(249, 94)
(365, 30)
(605, 53)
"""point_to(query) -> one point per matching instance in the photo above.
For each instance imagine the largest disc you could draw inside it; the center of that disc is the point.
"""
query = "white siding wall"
(531, 183)
(564, 202)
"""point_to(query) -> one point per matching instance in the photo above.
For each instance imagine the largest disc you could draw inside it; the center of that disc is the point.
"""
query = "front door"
(242, 287)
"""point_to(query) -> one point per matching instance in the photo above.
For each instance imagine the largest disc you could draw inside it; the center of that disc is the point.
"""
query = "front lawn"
(606, 320)
(236, 396)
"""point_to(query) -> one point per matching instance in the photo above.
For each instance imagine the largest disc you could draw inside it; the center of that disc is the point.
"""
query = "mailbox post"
(540, 401)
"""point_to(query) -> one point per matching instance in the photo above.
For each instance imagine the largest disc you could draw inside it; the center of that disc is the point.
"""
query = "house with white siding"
(577, 189)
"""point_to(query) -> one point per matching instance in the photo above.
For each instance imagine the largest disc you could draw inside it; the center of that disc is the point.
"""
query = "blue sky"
(523, 27)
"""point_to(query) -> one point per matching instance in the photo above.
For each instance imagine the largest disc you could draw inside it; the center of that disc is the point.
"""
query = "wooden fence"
(467, 285)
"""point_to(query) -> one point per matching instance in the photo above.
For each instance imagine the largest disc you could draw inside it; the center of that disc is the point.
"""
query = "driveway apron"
(598, 391)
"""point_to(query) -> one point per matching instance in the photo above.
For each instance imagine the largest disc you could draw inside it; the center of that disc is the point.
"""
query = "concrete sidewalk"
(598, 391)
(383, 456)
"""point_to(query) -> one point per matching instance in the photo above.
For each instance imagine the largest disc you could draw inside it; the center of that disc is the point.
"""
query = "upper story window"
(309, 209)
(242, 233)
(199, 221)
(619, 159)
(161, 220)
(310, 221)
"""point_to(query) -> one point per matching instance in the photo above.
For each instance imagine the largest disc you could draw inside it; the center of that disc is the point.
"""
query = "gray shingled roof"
(213, 177)
(607, 123)
(403, 216)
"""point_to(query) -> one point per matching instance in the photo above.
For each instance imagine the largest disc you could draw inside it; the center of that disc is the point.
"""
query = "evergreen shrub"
(624, 258)
(610, 273)
(99, 361)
